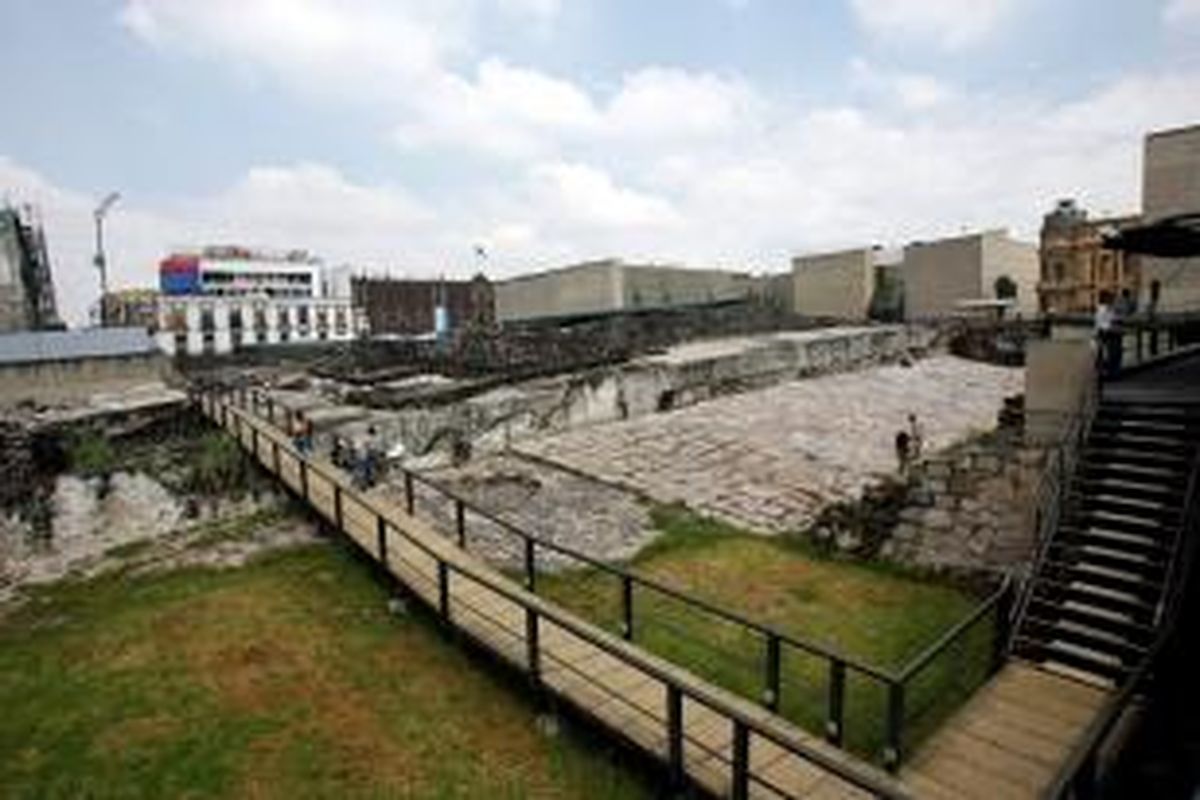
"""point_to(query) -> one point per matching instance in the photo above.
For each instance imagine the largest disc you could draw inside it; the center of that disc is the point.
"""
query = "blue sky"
(395, 134)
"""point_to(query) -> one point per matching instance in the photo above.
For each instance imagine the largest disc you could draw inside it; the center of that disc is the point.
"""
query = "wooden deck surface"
(1009, 740)
(613, 691)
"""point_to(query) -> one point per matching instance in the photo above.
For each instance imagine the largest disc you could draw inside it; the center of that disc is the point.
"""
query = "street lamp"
(101, 210)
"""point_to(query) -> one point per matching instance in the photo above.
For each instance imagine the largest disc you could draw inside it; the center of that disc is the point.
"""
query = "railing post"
(530, 565)
(675, 735)
(1003, 622)
(409, 499)
(337, 506)
(303, 476)
(893, 750)
(627, 606)
(835, 725)
(444, 589)
(275, 457)
(254, 442)
(271, 409)
(741, 761)
(533, 651)
(460, 522)
(770, 696)
(381, 539)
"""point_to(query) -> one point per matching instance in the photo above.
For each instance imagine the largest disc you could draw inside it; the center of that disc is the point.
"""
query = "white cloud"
(950, 24)
(911, 91)
(669, 104)
(584, 195)
(1181, 13)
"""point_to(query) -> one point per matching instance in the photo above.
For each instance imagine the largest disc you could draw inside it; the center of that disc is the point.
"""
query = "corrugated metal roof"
(33, 346)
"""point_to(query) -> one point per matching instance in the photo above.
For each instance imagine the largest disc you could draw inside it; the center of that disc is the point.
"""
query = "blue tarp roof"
(33, 346)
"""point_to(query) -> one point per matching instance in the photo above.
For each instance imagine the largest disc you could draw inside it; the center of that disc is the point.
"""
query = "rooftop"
(37, 346)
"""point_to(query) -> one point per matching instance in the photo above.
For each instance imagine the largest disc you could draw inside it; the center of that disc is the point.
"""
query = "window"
(235, 318)
(206, 319)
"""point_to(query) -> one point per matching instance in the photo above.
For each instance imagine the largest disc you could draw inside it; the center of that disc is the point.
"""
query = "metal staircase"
(1094, 602)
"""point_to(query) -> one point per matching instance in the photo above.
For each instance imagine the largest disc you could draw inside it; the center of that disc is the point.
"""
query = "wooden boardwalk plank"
(614, 691)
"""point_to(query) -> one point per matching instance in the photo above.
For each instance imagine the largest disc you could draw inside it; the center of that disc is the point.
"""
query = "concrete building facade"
(201, 325)
(837, 284)
(1075, 267)
(941, 275)
(612, 286)
(1171, 186)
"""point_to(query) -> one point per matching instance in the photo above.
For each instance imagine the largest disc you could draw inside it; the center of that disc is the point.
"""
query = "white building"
(222, 299)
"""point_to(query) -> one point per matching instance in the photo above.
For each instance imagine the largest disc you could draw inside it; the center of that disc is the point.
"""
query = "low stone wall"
(679, 377)
(53, 382)
(971, 508)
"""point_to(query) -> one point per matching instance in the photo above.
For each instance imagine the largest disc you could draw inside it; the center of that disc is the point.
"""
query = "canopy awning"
(1171, 237)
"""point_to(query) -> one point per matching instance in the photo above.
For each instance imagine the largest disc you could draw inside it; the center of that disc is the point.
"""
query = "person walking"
(916, 438)
(1107, 338)
(903, 451)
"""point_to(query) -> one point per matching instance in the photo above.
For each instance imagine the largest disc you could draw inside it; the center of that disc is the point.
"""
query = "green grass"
(286, 678)
(874, 613)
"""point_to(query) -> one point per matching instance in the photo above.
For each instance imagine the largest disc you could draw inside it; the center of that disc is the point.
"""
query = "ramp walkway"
(701, 733)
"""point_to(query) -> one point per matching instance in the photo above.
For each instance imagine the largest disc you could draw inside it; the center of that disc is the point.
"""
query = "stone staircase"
(1093, 604)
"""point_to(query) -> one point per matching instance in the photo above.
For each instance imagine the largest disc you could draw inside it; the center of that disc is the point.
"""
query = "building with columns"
(221, 299)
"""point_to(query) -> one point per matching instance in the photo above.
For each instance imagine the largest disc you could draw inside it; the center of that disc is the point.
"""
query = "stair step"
(1134, 474)
(1136, 510)
(1133, 412)
(1103, 577)
(1093, 617)
(1132, 543)
(1093, 518)
(1075, 633)
(1142, 492)
(1070, 551)
(1172, 428)
(1083, 593)
(1164, 444)
(1083, 658)
(1122, 456)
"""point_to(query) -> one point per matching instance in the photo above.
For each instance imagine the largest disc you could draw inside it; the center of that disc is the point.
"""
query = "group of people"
(366, 464)
(909, 443)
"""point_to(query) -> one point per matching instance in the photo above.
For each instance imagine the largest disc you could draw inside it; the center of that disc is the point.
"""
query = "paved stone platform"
(772, 459)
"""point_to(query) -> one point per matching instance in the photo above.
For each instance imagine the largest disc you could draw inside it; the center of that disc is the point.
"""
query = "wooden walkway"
(1009, 740)
(722, 742)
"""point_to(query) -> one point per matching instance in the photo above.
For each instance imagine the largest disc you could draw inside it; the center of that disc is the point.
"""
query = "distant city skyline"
(404, 135)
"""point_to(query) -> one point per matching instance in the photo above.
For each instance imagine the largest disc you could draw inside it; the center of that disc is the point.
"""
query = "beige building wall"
(606, 286)
(1003, 255)
(652, 286)
(834, 284)
(1171, 185)
(590, 288)
(940, 274)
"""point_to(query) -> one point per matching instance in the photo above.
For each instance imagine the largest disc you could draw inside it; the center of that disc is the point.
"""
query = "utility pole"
(100, 212)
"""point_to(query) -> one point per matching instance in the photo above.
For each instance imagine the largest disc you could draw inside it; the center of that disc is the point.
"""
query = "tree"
(1006, 288)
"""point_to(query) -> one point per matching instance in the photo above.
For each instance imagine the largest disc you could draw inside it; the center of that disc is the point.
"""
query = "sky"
(397, 135)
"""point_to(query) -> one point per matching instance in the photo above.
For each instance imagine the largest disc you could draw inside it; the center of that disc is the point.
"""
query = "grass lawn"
(286, 678)
(869, 612)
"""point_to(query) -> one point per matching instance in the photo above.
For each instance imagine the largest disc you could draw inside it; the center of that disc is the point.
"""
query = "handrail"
(948, 638)
(716, 699)
(1174, 588)
(1051, 492)
(893, 680)
(814, 648)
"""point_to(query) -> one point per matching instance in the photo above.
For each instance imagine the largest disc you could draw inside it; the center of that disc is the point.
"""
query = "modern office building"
(220, 299)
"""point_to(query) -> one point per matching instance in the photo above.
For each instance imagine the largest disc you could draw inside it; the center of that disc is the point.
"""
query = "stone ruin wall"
(492, 421)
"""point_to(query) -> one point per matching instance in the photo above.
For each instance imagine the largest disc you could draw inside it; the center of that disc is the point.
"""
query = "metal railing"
(1079, 776)
(748, 727)
(861, 706)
